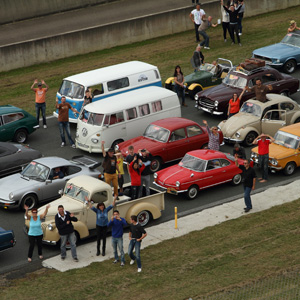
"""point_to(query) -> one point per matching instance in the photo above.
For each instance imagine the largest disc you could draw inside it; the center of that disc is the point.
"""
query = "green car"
(204, 78)
(15, 124)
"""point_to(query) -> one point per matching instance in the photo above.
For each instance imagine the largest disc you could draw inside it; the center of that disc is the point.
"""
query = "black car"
(13, 157)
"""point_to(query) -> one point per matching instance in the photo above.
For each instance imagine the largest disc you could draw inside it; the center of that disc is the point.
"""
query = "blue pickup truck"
(7, 239)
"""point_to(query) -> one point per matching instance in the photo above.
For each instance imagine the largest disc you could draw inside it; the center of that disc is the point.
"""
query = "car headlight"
(237, 134)
(274, 162)
(95, 141)
(196, 97)
(216, 103)
(50, 227)
(11, 196)
(177, 184)
(155, 175)
(277, 60)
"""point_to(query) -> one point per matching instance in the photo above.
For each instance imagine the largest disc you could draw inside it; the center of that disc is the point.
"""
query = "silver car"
(37, 183)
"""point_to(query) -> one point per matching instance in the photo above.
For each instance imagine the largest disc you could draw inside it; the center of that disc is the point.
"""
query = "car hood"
(196, 76)
(276, 51)
(233, 124)
(170, 175)
(278, 151)
(219, 92)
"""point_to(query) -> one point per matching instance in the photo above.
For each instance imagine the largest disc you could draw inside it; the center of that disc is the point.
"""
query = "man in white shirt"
(196, 17)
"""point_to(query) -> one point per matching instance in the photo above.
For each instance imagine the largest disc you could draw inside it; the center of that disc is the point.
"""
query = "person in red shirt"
(136, 168)
(235, 104)
(263, 141)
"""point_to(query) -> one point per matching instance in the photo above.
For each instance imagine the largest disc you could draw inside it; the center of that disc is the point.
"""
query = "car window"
(287, 106)
(12, 117)
(224, 162)
(114, 118)
(177, 135)
(131, 113)
(272, 115)
(193, 130)
(70, 170)
(156, 106)
(251, 108)
(213, 164)
(117, 84)
(235, 80)
(100, 197)
(268, 78)
(144, 110)
(97, 89)
(71, 89)
(274, 106)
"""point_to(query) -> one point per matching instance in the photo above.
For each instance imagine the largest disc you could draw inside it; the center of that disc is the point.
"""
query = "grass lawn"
(165, 52)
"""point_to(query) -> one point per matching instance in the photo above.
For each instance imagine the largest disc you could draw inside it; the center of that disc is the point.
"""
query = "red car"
(198, 170)
(169, 139)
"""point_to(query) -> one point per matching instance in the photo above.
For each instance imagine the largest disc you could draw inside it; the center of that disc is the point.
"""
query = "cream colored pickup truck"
(74, 200)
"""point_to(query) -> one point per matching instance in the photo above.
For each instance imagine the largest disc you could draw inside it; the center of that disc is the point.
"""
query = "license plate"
(172, 191)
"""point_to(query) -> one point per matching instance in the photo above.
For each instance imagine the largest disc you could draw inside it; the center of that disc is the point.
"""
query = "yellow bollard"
(175, 208)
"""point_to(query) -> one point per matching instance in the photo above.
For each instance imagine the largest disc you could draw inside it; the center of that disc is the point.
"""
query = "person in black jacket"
(197, 59)
(63, 222)
(146, 158)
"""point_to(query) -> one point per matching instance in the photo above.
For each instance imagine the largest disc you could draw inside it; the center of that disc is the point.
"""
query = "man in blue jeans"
(136, 234)
(117, 224)
(202, 30)
(249, 179)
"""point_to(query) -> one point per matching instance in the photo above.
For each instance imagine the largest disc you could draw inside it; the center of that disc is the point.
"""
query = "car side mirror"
(48, 181)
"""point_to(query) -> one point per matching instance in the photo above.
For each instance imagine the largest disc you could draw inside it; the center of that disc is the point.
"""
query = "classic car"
(204, 78)
(256, 117)
(216, 99)
(284, 152)
(36, 183)
(199, 169)
(13, 157)
(15, 124)
(168, 140)
(285, 55)
(81, 188)
(7, 239)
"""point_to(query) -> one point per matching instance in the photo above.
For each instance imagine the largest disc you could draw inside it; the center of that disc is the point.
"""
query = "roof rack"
(251, 66)
(240, 69)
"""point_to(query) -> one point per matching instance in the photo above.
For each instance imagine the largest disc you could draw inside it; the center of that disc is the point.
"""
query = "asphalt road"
(48, 142)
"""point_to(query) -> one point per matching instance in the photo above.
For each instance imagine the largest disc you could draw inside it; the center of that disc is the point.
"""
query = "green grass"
(165, 52)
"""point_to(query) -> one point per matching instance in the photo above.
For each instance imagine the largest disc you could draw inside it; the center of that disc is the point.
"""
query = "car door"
(196, 137)
(9, 125)
(290, 110)
(272, 121)
(213, 174)
(178, 145)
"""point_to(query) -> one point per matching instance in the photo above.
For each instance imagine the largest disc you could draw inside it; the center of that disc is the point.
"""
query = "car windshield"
(208, 68)
(291, 39)
(193, 163)
(235, 80)
(76, 192)
(36, 171)
(251, 108)
(91, 118)
(287, 140)
(157, 133)
(71, 89)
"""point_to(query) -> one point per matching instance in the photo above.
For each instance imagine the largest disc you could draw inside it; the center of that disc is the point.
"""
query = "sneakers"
(73, 146)
(122, 264)
(139, 270)
(45, 126)
(103, 253)
(76, 259)
(62, 144)
(206, 48)
(132, 262)
(240, 33)
(63, 258)
(36, 127)
(115, 261)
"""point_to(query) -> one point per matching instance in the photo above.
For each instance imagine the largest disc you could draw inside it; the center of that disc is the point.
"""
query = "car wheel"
(289, 168)
(30, 200)
(192, 93)
(285, 93)
(204, 146)
(250, 137)
(236, 180)
(20, 136)
(192, 192)
(297, 121)
(290, 66)
(155, 164)
(143, 217)
(115, 143)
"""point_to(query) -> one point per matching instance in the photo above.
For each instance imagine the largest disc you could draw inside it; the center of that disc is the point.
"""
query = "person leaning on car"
(260, 90)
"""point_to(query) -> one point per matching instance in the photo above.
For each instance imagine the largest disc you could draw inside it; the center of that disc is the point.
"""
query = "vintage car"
(285, 55)
(13, 157)
(35, 184)
(284, 152)
(256, 117)
(168, 140)
(15, 124)
(198, 170)
(7, 239)
(216, 99)
(74, 196)
(204, 78)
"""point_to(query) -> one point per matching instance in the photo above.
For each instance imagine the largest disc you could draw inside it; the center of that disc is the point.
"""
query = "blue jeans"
(118, 242)
(197, 32)
(241, 15)
(247, 198)
(134, 244)
(206, 39)
(65, 126)
(40, 107)
(180, 92)
(63, 241)
(264, 164)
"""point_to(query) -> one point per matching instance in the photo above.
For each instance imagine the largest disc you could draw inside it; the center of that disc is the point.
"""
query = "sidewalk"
(261, 201)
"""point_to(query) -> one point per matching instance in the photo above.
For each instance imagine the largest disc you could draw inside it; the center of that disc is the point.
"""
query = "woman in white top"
(225, 20)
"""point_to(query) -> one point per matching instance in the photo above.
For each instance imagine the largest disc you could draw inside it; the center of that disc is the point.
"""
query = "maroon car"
(215, 100)
(168, 140)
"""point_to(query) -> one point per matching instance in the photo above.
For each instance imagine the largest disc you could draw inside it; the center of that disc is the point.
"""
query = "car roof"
(273, 99)
(207, 154)
(173, 123)
(6, 109)
(53, 161)
(293, 129)
(89, 183)
(256, 71)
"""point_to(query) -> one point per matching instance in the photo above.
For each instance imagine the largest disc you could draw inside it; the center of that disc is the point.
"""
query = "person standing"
(110, 167)
(179, 84)
(40, 100)
(202, 30)
(101, 223)
(225, 21)
(260, 90)
(233, 22)
(263, 141)
(249, 179)
(241, 15)
(197, 59)
(235, 104)
(35, 232)
(120, 164)
(146, 158)
(136, 168)
(116, 223)
(136, 234)
(214, 137)
(63, 222)
(196, 17)
(63, 120)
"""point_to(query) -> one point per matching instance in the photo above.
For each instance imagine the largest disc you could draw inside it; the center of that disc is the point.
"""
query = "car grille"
(207, 103)
(44, 226)
(266, 59)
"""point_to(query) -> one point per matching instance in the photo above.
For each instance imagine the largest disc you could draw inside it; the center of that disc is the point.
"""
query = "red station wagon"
(168, 140)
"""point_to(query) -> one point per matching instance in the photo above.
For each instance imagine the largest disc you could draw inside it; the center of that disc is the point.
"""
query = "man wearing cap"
(110, 167)
(293, 27)
(196, 17)
(146, 158)
(40, 100)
